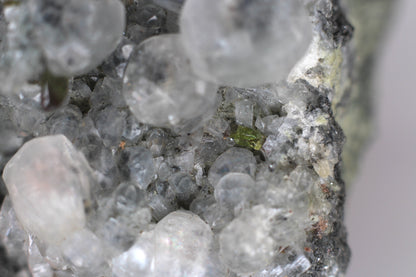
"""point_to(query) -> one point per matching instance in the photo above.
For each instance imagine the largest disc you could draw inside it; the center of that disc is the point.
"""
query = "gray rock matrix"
(181, 137)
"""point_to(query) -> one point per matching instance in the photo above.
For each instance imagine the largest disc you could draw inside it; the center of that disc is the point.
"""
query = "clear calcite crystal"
(234, 189)
(141, 166)
(13, 235)
(137, 261)
(245, 244)
(167, 138)
(182, 244)
(20, 58)
(40, 267)
(76, 35)
(86, 254)
(62, 37)
(245, 43)
(233, 160)
(178, 246)
(48, 181)
(160, 87)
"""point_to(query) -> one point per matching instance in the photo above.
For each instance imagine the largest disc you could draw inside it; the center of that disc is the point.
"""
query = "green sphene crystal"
(249, 138)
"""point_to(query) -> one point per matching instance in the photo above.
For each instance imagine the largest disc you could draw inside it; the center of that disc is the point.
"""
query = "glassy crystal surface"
(160, 87)
(20, 58)
(234, 189)
(182, 243)
(48, 180)
(12, 234)
(39, 266)
(245, 244)
(141, 166)
(137, 261)
(233, 160)
(76, 35)
(87, 255)
(245, 43)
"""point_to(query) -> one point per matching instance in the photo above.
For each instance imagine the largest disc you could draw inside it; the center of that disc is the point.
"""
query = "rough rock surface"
(181, 138)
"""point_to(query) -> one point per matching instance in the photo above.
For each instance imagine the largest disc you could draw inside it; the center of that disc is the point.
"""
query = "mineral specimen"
(176, 138)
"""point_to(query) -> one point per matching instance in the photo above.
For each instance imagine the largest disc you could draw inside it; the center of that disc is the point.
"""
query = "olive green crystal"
(248, 138)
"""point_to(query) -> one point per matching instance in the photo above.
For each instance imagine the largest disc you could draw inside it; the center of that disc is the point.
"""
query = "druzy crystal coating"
(159, 138)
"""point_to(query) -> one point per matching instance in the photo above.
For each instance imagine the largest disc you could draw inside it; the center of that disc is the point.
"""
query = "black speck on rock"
(335, 24)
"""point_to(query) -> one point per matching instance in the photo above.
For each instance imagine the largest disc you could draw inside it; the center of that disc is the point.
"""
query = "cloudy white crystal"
(137, 261)
(182, 243)
(245, 43)
(86, 254)
(160, 87)
(38, 265)
(233, 160)
(234, 189)
(141, 166)
(76, 35)
(12, 234)
(48, 180)
(20, 57)
(245, 244)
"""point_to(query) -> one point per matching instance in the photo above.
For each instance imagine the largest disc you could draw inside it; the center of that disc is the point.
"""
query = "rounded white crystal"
(137, 261)
(48, 180)
(233, 160)
(160, 87)
(182, 243)
(77, 35)
(245, 43)
(233, 189)
(245, 244)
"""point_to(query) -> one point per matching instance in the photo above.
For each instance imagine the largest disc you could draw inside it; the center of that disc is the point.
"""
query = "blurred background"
(381, 206)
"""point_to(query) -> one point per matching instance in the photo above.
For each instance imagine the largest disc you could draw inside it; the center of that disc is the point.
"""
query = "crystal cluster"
(172, 138)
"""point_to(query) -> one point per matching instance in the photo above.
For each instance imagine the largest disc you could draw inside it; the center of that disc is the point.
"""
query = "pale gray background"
(381, 210)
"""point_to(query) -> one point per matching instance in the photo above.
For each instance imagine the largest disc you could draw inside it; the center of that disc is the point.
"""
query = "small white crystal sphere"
(182, 242)
(160, 87)
(245, 43)
(48, 180)
(77, 35)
